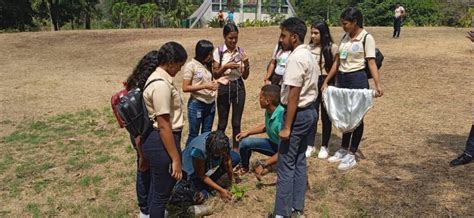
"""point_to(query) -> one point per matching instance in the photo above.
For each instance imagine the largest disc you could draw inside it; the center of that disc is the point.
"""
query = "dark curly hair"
(145, 67)
(170, 52)
(216, 143)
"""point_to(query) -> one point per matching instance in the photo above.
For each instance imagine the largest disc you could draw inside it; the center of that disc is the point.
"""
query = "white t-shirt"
(398, 11)
(280, 56)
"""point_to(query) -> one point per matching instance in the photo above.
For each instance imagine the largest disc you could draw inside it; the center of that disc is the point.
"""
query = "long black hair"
(145, 67)
(353, 14)
(326, 43)
(203, 49)
(170, 52)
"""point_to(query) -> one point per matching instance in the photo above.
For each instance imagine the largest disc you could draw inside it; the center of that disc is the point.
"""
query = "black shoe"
(461, 160)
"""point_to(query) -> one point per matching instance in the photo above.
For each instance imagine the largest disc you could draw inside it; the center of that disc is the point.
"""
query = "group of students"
(291, 96)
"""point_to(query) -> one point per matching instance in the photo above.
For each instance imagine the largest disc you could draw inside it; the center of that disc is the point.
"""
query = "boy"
(270, 101)
(298, 94)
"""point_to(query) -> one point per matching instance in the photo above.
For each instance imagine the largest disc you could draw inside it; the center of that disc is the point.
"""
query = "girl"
(137, 79)
(349, 68)
(232, 63)
(324, 50)
(197, 79)
(162, 147)
(207, 158)
(276, 67)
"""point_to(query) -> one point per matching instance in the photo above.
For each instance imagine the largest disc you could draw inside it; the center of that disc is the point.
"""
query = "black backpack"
(132, 110)
(378, 59)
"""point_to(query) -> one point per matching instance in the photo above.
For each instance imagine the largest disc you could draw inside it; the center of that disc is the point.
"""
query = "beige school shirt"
(162, 97)
(316, 52)
(199, 75)
(355, 59)
(233, 74)
(301, 71)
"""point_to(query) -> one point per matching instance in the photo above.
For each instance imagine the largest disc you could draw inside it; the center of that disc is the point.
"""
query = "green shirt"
(273, 124)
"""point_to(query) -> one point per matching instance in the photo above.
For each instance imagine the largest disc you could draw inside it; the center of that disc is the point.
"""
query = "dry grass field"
(63, 155)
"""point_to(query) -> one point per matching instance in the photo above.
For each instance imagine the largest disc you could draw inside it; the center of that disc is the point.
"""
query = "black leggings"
(327, 125)
(229, 95)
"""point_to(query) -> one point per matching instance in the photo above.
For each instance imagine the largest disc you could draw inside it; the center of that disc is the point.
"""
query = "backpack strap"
(363, 43)
(220, 49)
(154, 80)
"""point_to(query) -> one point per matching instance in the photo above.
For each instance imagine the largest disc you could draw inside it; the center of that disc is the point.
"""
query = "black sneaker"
(461, 160)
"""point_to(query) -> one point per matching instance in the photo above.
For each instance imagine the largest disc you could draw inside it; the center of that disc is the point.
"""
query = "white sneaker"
(323, 153)
(309, 151)
(347, 162)
(200, 210)
(338, 156)
(142, 215)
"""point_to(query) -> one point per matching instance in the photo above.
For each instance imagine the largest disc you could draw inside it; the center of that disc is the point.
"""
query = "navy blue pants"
(397, 23)
(291, 166)
(354, 80)
(160, 167)
(142, 185)
(470, 143)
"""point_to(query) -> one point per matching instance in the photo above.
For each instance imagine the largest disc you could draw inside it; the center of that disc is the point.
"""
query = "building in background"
(243, 10)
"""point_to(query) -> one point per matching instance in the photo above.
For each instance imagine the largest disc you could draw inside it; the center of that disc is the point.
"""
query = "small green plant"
(238, 192)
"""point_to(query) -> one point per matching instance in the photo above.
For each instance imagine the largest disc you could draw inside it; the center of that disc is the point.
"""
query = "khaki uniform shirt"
(301, 71)
(234, 74)
(199, 75)
(162, 97)
(316, 52)
(354, 59)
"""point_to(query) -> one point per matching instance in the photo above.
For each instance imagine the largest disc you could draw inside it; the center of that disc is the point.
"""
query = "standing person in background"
(137, 79)
(349, 69)
(276, 67)
(220, 17)
(298, 94)
(230, 16)
(197, 79)
(230, 63)
(162, 147)
(397, 20)
(324, 50)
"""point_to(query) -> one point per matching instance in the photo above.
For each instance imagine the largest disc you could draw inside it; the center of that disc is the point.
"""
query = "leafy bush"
(214, 23)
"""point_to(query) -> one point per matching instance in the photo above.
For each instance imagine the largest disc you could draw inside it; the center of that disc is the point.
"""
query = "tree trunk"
(88, 21)
(52, 15)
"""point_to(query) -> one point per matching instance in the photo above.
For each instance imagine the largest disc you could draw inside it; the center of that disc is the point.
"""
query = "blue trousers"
(260, 145)
(200, 118)
(355, 80)
(142, 185)
(291, 166)
(160, 167)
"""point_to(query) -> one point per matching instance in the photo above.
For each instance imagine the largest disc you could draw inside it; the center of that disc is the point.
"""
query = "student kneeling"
(270, 101)
(206, 159)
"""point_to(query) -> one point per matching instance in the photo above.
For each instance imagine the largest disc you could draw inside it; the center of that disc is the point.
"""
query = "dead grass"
(62, 154)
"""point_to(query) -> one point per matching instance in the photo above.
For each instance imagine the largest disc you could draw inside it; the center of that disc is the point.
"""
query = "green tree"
(16, 14)
(377, 12)
(119, 11)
